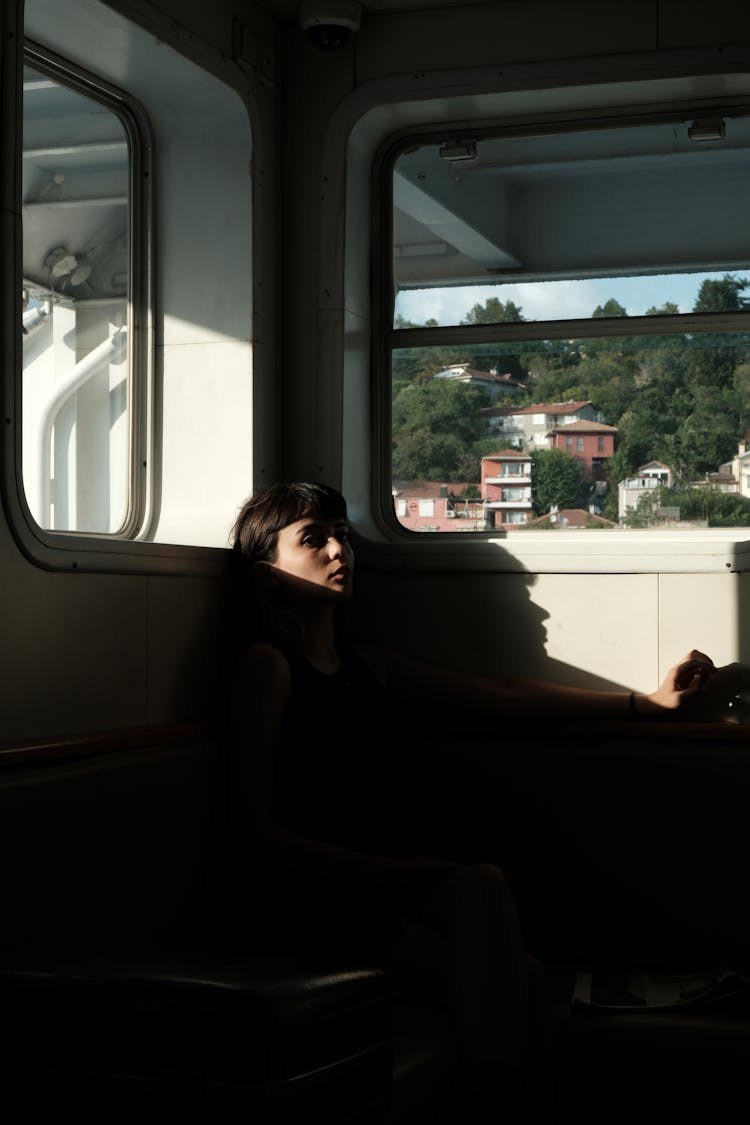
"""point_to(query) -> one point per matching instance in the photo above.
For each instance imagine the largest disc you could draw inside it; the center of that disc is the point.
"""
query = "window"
(135, 396)
(594, 270)
(81, 154)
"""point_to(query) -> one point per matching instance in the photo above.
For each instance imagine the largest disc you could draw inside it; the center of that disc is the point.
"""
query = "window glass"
(517, 258)
(77, 390)
(135, 399)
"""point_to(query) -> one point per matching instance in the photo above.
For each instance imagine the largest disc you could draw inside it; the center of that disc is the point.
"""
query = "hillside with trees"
(683, 400)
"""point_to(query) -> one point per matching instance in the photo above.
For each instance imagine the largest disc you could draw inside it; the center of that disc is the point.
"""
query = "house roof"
(654, 465)
(464, 371)
(539, 408)
(507, 455)
(724, 476)
(583, 427)
(427, 489)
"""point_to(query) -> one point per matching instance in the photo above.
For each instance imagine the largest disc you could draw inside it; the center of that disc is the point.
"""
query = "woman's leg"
(468, 943)
(468, 940)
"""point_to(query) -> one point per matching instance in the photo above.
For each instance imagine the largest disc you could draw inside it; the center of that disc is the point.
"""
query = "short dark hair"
(273, 507)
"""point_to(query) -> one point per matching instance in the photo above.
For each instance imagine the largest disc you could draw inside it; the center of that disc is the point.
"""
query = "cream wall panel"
(184, 648)
(206, 441)
(592, 630)
(73, 660)
(705, 611)
(602, 625)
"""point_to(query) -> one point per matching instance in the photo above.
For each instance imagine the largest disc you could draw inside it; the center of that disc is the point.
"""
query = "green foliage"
(556, 480)
(645, 513)
(609, 308)
(724, 295)
(719, 509)
(683, 400)
(435, 427)
(493, 311)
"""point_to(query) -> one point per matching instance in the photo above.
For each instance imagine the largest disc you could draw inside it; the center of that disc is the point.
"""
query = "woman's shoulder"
(259, 684)
(263, 663)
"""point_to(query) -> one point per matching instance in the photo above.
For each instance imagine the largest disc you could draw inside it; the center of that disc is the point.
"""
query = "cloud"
(556, 300)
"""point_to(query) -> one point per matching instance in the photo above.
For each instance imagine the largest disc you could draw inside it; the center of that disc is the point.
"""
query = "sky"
(558, 300)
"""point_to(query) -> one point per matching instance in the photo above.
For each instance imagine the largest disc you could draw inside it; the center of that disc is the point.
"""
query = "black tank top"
(334, 774)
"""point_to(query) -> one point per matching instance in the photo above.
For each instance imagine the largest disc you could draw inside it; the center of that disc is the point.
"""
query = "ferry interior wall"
(388, 245)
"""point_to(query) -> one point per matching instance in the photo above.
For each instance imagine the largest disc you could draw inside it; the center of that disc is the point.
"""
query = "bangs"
(318, 500)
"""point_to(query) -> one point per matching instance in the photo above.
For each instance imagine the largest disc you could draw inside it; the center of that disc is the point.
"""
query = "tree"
(645, 513)
(722, 295)
(436, 426)
(502, 358)
(493, 311)
(609, 308)
(682, 398)
(713, 356)
(556, 479)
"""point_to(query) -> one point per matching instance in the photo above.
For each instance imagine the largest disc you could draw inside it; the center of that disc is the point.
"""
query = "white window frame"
(220, 84)
(372, 123)
(137, 305)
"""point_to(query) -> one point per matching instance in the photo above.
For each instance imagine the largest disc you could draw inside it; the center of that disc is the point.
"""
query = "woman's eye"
(317, 539)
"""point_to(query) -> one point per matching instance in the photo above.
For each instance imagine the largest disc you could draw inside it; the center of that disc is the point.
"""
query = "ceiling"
(536, 205)
(75, 188)
(616, 200)
(289, 9)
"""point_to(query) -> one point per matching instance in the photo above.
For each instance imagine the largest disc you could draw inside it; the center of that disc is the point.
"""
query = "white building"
(529, 427)
(631, 491)
(491, 381)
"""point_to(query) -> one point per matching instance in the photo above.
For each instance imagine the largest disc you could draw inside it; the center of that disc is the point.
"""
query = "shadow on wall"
(495, 628)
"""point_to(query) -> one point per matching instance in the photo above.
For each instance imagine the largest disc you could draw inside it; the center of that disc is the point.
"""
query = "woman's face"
(317, 551)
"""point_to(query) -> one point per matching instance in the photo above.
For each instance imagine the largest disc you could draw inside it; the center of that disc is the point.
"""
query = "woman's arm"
(692, 687)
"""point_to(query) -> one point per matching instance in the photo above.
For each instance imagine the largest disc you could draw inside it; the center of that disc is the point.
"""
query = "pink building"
(506, 488)
(591, 443)
(430, 506)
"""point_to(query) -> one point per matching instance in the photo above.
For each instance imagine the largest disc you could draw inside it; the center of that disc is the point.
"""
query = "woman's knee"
(480, 885)
(482, 879)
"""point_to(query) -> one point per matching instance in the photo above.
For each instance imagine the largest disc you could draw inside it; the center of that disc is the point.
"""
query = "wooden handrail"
(64, 747)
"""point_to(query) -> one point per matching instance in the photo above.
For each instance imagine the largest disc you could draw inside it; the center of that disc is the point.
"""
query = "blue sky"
(558, 300)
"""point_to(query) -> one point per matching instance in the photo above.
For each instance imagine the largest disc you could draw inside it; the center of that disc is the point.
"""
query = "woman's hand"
(717, 695)
(696, 685)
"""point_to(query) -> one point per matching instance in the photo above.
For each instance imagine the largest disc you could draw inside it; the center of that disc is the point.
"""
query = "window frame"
(382, 538)
(139, 300)
(248, 108)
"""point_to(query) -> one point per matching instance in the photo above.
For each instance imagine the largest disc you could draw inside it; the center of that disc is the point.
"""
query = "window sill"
(574, 551)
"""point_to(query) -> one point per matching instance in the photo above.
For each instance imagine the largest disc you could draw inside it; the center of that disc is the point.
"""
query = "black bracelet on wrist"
(633, 709)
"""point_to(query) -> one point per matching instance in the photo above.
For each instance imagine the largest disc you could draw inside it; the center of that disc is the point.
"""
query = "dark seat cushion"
(250, 1027)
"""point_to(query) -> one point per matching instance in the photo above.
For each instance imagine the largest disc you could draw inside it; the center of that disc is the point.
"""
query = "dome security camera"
(330, 23)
